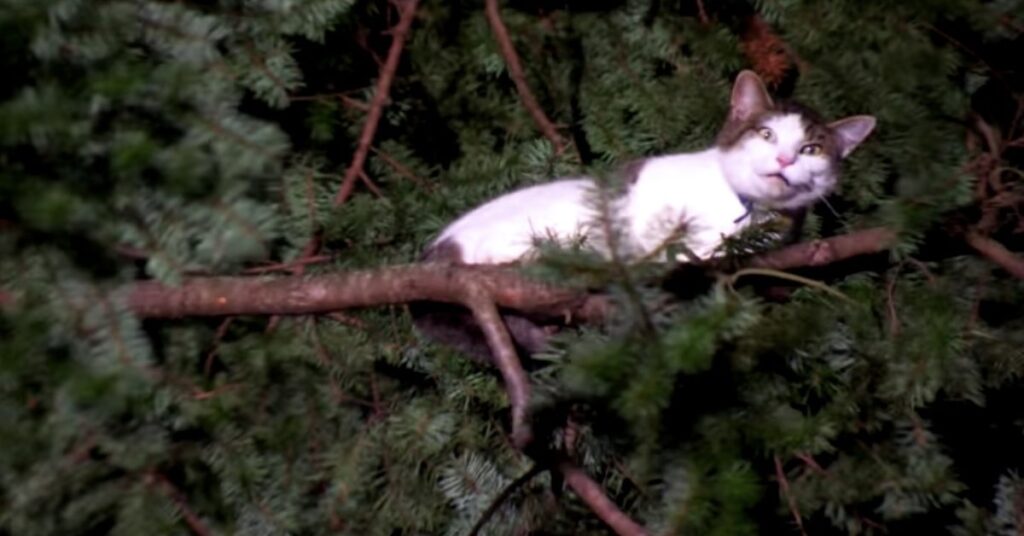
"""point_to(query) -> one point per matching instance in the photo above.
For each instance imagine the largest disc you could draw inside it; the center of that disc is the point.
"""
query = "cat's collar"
(748, 205)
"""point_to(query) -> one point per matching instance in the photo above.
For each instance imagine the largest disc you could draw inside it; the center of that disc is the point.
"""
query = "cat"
(775, 156)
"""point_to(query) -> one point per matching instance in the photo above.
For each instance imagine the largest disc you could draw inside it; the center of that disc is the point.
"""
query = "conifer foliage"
(867, 386)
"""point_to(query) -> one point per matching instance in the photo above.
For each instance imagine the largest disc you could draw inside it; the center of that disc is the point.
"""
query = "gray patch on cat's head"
(750, 106)
(445, 251)
(816, 130)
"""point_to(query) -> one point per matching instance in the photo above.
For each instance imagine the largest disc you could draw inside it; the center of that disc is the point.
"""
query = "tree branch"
(591, 493)
(827, 251)
(380, 97)
(996, 253)
(515, 70)
(780, 475)
(194, 522)
(482, 289)
(517, 384)
(219, 296)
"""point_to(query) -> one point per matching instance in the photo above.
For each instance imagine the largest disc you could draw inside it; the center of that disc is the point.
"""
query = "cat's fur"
(772, 156)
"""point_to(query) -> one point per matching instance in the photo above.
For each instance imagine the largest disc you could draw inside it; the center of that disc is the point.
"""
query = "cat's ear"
(749, 97)
(851, 131)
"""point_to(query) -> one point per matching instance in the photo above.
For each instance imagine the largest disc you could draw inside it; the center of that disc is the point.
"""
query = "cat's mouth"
(793, 188)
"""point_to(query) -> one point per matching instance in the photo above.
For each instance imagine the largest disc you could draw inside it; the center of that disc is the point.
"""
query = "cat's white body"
(779, 157)
(669, 190)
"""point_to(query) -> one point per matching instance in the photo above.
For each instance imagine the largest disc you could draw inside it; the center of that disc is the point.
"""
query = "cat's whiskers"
(829, 205)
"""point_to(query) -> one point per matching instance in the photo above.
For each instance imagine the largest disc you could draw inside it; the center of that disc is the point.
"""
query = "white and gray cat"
(776, 156)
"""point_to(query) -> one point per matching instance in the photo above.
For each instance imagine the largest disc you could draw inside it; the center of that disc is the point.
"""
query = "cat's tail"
(454, 326)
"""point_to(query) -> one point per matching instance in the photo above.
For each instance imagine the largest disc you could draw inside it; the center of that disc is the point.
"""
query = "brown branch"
(347, 101)
(828, 250)
(515, 70)
(380, 97)
(325, 293)
(593, 495)
(222, 330)
(702, 13)
(398, 167)
(996, 253)
(811, 462)
(517, 384)
(291, 266)
(482, 289)
(370, 184)
(191, 518)
(219, 296)
(780, 475)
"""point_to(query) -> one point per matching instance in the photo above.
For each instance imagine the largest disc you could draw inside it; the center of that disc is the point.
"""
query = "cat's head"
(783, 155)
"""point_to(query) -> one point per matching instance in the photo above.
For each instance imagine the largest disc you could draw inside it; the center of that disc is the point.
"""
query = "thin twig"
(222, 330)
(398, 167)
(191, 519)
(996, 253)
(784, 487)
(702, 14)
(347, 320)
(515, 70)
(768, 272)
(591, 493)
(345, 100)
(370, 184)
(290, 267)
(503, 496)
(380, 97)
(811, 462)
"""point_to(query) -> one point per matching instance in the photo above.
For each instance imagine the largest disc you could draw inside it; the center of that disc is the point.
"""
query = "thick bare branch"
(828, 250)
(480, 288)
(515, 70)
(592, 494)
(380, 97)
(517, 384)
(997, 253)
(218, 296)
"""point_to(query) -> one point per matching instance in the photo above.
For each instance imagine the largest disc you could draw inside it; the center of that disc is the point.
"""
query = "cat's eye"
(766, 133)
(813, 149)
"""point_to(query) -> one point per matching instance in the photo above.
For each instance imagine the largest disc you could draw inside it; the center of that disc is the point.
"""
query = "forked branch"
(380, 97)
(482, 289)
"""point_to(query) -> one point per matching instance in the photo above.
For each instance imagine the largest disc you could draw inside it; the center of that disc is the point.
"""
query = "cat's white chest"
(684, 195)
(686, 190)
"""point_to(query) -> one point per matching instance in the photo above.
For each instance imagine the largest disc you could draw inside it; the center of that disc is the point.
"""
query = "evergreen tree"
(169, 141)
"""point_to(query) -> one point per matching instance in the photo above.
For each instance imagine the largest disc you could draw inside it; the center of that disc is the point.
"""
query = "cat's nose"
(785, 160)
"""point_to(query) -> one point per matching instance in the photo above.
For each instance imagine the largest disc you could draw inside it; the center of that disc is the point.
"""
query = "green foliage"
(143, 139)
